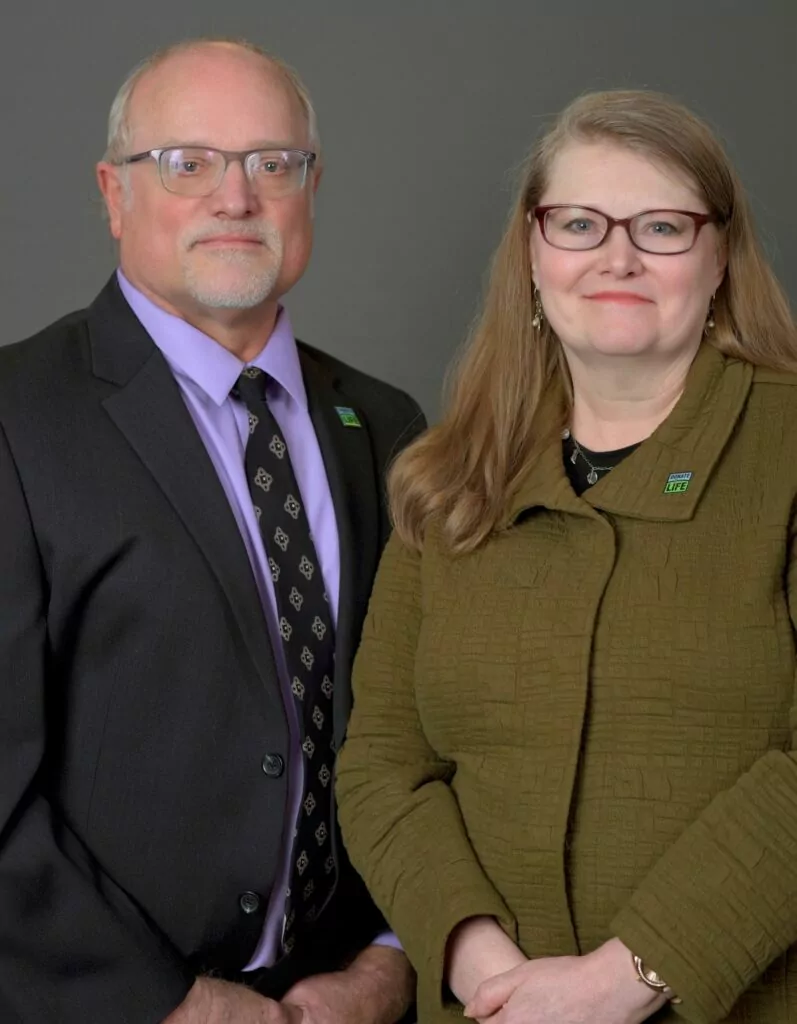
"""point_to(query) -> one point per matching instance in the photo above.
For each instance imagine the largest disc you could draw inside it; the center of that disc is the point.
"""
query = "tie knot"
(251, 385)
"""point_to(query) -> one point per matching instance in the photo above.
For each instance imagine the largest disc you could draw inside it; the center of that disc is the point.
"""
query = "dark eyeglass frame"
(230, 155)
(700, 220)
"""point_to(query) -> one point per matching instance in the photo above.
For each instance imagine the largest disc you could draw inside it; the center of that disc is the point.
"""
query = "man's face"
(235, 248)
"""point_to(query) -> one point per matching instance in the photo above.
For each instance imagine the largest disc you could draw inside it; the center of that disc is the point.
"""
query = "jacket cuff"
(704, 999)
(433, 991)
(718, 907)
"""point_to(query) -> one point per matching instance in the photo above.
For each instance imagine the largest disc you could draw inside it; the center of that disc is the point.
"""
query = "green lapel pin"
(677, 483)
(348, 417)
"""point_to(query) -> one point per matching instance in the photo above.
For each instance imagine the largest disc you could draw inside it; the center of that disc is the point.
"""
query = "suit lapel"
(149, 410)
(349, 461)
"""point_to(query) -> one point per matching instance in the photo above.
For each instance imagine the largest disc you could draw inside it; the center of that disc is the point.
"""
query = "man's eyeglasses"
(580, 228)
(194, 171)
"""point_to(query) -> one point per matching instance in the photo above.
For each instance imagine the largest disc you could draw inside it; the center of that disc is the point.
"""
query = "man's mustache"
(265, 234)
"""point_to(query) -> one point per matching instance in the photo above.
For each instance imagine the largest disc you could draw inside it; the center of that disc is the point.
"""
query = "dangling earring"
(710, 324)
(539, 315)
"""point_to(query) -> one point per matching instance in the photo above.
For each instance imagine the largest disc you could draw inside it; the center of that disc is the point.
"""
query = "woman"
(569, 778)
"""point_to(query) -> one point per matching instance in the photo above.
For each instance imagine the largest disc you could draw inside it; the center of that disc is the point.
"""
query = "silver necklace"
(592, 476)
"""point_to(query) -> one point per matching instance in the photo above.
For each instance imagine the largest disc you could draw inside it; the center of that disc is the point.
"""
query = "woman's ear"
(722, 262)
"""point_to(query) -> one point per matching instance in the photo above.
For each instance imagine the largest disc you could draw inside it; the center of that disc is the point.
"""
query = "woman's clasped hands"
(598, 988)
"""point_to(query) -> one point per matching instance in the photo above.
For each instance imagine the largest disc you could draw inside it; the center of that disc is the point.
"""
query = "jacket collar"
(690, 441)
(349, 461)
(148, 409)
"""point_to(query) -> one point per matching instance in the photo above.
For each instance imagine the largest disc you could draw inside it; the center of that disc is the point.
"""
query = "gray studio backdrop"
(425, 108)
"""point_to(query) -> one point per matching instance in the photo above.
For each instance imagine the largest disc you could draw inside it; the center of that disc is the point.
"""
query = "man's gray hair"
(120, 130)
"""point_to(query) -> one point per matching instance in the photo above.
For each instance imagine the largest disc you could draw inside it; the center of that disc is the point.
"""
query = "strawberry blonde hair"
(462, 472)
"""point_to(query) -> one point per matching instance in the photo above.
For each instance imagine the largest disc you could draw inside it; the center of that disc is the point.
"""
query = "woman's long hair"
(461, 473)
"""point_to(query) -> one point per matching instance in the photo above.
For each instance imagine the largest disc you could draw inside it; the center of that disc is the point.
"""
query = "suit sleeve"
(721, 905)
(401, 821)
(74, 949)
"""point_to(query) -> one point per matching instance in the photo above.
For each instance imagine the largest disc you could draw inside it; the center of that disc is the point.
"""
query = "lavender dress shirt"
(206, 372)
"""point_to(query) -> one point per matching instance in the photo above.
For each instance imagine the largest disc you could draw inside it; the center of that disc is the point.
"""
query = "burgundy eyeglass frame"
(700, 221)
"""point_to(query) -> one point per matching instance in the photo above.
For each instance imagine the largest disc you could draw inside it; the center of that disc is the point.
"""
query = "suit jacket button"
(249, 902)
(273, 765)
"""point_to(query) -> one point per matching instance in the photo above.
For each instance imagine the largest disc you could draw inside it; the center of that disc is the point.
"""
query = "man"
(192, 517)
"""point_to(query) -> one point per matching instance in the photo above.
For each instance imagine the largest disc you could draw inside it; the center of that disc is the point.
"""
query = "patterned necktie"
(308, 642)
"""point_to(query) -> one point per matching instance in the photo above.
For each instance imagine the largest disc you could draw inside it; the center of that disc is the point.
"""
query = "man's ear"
(115, 192)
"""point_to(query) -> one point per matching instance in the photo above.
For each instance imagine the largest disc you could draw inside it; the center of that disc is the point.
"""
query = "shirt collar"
(195, 356)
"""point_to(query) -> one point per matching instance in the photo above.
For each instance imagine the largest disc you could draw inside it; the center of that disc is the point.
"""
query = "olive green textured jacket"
(587, 727)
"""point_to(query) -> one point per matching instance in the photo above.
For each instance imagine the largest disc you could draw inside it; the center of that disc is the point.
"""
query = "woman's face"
(616, 299)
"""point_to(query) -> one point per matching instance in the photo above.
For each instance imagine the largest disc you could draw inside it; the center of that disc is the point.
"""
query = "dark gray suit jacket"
(138, 692)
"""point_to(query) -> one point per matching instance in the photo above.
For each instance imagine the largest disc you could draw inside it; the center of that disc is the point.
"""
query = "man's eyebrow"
(269, 144)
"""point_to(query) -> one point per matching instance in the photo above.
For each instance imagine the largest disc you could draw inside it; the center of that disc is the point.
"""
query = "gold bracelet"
(653, 980)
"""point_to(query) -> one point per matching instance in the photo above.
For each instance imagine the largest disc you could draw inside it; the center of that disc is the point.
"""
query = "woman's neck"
(622, 402)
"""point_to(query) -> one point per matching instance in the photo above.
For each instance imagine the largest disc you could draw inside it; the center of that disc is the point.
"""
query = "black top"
(580, 462)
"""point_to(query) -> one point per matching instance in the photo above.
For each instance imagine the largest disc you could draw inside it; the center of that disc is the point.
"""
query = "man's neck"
(620, 402)
(244, 332)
